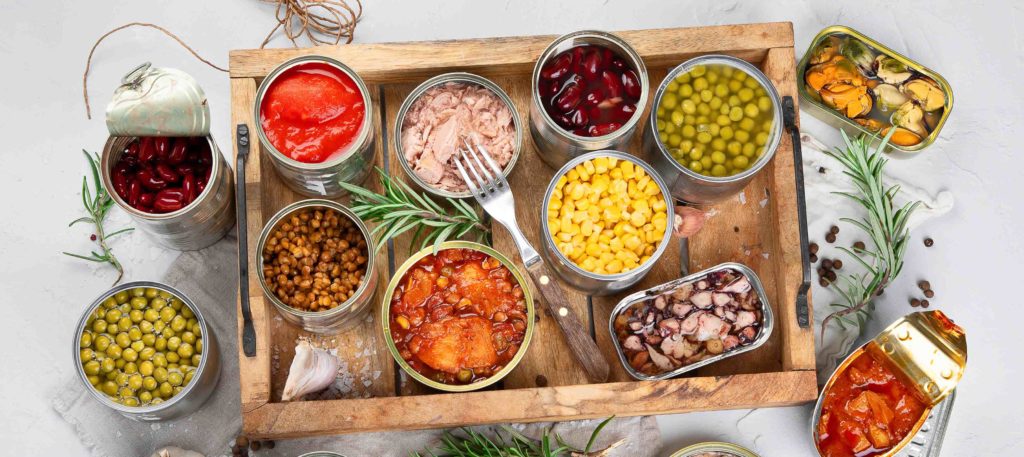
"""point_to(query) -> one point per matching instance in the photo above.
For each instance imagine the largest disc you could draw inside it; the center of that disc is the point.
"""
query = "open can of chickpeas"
(160, 163)
(317, 265)
(589, 90)
(605, 221)
(716, 122)
(144, 350)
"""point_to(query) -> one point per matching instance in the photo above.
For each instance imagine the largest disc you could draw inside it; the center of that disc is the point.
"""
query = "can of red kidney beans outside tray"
(160, 163)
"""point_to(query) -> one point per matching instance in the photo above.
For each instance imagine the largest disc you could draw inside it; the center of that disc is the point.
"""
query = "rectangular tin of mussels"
(928, 441)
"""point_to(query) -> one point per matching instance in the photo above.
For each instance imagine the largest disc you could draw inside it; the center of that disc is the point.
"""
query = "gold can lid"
(929, 349)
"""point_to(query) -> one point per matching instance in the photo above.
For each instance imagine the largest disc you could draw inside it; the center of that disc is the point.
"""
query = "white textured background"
(977, 46)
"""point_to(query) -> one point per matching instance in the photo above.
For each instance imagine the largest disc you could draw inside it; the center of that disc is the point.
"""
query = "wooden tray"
(759, 229)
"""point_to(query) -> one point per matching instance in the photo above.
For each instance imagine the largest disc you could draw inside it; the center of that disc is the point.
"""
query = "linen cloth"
(210, 278)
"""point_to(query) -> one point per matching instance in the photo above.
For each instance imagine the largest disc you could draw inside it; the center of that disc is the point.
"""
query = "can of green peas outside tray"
(193, 392)
(166, 105)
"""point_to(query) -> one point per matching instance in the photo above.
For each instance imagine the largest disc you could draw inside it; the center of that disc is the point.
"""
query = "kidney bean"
(569, 98)
(201, 185)
(147, 199)
(169, 199)
(120, 181)
(612, 84)
(178, 151)
(165, 171)
(631, 84)
(592, 64)
(593, 97)
(150, 179)
(186, 169)
(557, 67)
(132, 149)
(619, 64)
(579, 118)
(163, 147)
(189, 187)
(603, 129)
(147, 149)
(134, 192)
(623, 112)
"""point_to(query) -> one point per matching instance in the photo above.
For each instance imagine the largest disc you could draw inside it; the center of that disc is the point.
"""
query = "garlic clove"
(312, 370)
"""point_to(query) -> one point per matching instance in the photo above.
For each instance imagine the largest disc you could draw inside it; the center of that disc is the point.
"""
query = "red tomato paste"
(312, 112)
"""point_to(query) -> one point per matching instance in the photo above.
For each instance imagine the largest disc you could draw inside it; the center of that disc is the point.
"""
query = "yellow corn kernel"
(641, 181)
(579, 216)
(612, 162)
(554, 225)
(619, 229)
(589, 264)
(579, 191)
(582, 171)
(641, 205)
(638, 173)
(552, 214)
(561, 182)
(564, 237)
(611, 214)
(644, 259)
(601, 164)
(652, 188)
(627, 169)
(659, 224)
(616, 244)
(589, 166)
(618, 187)
(606, 257)
(648, 251)
(554, 204)
(586, 227)
(593, 250)
(613, 267)
(573, 175)
(582, 204)
(565, 248)
(557, 194)
(638, 219)
(615, 173)
(657, 204)
(594, 238)
(594, 196)
(632, 242)
(626, 256)
(628, 228)
(605, 202)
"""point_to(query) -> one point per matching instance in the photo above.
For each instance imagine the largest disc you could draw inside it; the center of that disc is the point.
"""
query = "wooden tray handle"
(582, 345)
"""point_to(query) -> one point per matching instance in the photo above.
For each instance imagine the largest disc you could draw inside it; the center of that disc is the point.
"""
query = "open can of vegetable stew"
(528, 318)
(319, 176)
(191, 396)
(555, 144)
(684, 182)
(897, 90)
(764, 324)
(344, 314)
(714, 449)
(897, 378)
(160, 163)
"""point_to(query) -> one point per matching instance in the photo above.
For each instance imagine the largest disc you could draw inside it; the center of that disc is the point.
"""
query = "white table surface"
(43, 46)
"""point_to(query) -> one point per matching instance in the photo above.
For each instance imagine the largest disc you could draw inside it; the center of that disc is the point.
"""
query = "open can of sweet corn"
(587, 280)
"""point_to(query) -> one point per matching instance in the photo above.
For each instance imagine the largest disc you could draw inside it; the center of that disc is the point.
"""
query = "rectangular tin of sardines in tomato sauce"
(691, 322)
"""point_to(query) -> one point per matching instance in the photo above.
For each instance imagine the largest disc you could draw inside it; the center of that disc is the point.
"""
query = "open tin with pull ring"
(166, 110)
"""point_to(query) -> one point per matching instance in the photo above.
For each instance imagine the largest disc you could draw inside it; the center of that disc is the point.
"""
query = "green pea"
(689, 107)
(156, 401)
(740, 162)
(86, 339)
(698, 70)
(718, 144)
(121, 379)
(99, 326)
(114, 351)
(168, 313)
(159, 325)
(151, 292)
(109, 388)
(147, 353)
(158, 304)
(197, 329)
(136, 316)
(175, 378)
(173, 358)
(86, 354)
(119, 363)
(166, 390)
(696, 166)
(734, 147)
(685, 90)
(673, 141)
(135, 382)
(172, 366)
(683, 78)
(742, 136)
(735, 85)
(714, 129)
(138, 291)
(185, 351)
(149, 339)
(745, 94)
(190, 338)
(761, 139)
(718, 171)
(160, 360)
(139, 302)
(168, 332)
(145, 397)
(146, 368)
(94, 380)
(178, 323)
(122, 340)
(726, 133)
(126, 393)
(749, 149)
(669, 100)
(700, 84)
(764, 104)
(188, 376)
(160, 374)
(712, 77)
(751, 110)
(672, 86)
(196, 358)
(107, 365)
(721, 90)
(704, 137)
(101, 343)
(131, 368)
(199, 346)
(706, 162)
(130, 355)
(718, 157)
(747, 124)
(121, 297)
(151, 315)
(92, 368)
(149, 383)
(716, 104)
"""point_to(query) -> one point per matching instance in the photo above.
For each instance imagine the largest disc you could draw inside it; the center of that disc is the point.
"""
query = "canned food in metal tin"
(895, 93)
(204, 221)
(400, 275)
(697, 188)
(927, 353)
(322, 179)
(555, 145)
(458, 77)
(342, 315)
(191, 397)
(573, 274)
(764, 329)
(714, 449)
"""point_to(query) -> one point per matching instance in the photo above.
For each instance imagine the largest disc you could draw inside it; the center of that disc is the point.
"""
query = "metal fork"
(490, 188)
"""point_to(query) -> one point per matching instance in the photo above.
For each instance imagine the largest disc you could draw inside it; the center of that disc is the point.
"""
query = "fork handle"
(582, 345)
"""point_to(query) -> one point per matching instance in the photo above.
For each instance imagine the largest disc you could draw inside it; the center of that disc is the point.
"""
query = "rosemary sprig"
(885, 225)
(509, 443)
(97, 202)
(400, 209)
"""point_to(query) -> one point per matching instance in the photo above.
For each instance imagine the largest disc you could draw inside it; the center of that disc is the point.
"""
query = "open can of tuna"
(161, 165)
(315, 120)
(714, 449)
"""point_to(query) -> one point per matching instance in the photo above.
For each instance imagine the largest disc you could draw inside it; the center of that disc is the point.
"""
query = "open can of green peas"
(716, 122)
(144, 350)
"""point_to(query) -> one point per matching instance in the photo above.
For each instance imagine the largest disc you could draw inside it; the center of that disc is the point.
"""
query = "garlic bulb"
(312, 370)
(171, 451)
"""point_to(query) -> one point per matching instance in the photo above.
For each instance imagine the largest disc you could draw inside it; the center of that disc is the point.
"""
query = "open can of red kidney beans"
(160, 163)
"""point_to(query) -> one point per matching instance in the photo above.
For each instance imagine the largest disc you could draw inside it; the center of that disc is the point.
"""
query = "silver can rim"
(365, 131)
(462, 77)
(102, 398)
(714, 446)
(285, 212)
(107, 166)
(614, 42)
(767, 326)
(770, 147)
(643, 268)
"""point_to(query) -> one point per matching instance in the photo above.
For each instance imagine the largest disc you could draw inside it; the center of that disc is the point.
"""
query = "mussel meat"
(926, 93)
(891, 71)
(851, 100)
(838, 69)
(826, 50)
(889, 96)
(861, 56)
(873, 125)
(902, 137)
(911, 117)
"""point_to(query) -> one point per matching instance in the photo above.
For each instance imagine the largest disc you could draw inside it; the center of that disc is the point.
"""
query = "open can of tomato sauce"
(853, 82)
(305, 239)
(459, 318)
(315, 119)
(716, 123)
(714, 449)
(160, 163)
(589, 90)
(880, 396)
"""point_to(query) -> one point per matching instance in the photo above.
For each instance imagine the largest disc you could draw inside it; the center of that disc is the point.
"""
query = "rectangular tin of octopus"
(736, 297)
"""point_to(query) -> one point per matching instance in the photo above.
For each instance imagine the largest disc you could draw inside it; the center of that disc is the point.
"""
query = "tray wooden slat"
(547, 384)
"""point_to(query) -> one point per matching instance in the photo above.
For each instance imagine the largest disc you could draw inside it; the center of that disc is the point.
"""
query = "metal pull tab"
(803, 317)
(134, 78)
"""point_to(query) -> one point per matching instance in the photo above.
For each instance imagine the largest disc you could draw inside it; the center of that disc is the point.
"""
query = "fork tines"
(486, 178)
